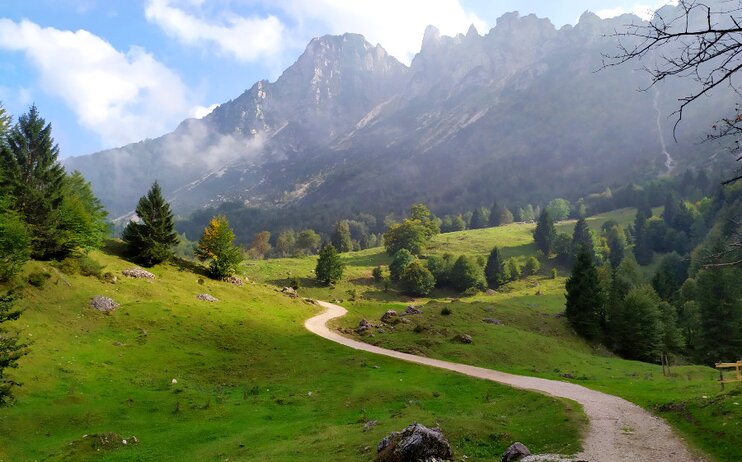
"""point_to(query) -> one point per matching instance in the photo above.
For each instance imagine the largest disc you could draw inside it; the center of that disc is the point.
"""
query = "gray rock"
(412, 309)
(290, 292)
(389, 317)
(103, 304)
(515, 452)
(370, 424)
(463, 338)
(416, 443)
(234, 280)
(207, 298)
(490, 292)
(492, 321)
(138, 273)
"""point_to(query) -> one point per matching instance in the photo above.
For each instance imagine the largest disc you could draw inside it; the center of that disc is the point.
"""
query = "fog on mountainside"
(518, 114)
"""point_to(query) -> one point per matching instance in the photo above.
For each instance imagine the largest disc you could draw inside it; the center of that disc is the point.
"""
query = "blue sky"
(112, 72)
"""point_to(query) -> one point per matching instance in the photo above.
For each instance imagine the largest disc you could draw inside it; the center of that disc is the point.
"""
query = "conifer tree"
(216, 246)
(616, 242)
(151, 240)
(494, 270)
(480, 218)
(32, 175)
(642, 244)
(11, 350)
(582, 239)
(329, 267)
(585, 298)
(545, 233)
(341, 238)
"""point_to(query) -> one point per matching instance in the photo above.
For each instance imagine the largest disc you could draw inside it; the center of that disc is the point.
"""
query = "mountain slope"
(519, 114)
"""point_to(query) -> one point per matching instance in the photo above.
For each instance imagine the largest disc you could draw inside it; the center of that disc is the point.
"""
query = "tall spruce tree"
(11, 350)
(582, 240)
(545, 233)
(642, 242)
(494, 270)
(480, 218)
(32, 175)
(151, 240)
(585, 298)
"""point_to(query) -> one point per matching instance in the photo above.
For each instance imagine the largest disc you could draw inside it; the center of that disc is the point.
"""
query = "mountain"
(522, 114)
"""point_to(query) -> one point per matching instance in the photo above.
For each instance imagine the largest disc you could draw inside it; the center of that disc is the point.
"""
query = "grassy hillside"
(532, 339)
(252, 384)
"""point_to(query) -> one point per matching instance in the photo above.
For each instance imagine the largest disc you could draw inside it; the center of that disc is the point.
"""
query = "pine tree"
(480, 218)
(545, 233)
(719, 297)
(494, 270)
(152, 239)
(616, 242)
(33, 176)
(329, 267)
(582, 239)
(216, 246)
(532, 266)
(11, 350)
(340, 238)
(585, 298)
(638, 327)
(642, 244)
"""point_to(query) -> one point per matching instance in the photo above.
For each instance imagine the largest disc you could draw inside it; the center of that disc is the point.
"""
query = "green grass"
(252, 384)
(532, 339)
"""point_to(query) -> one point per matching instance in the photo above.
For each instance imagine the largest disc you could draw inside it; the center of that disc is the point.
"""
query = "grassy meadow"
(239, 379)
(532, 337)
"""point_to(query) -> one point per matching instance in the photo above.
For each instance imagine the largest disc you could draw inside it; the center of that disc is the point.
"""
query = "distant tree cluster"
(45, 213)
(691, 306)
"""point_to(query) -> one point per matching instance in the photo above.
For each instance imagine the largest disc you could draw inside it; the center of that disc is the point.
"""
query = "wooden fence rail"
(737, 369)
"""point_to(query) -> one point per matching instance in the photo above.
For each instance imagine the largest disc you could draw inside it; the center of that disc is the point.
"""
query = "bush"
(378, 274)
(402, 258)
(532, 266)
(467, 273)
(513, 269)
(446, 311)
(554, 273)
(69, 266)
(417, 280)
(89, 267)
(470, 292)
(38, 279)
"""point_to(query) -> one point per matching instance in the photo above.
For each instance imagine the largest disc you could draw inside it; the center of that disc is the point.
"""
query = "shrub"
(513, 269)
(417, 280)
(378, 274)
(69, 266)
(446, 311)
(39, 278)
(402, 258)
(554, 273)
(532, 266)
(467, 273)
(470, 292)
(89, 267)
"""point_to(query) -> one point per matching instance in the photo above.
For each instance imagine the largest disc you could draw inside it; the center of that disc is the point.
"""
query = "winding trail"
(619, 431)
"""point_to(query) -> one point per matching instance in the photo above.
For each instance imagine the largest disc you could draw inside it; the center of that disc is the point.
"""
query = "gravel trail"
(618, 431)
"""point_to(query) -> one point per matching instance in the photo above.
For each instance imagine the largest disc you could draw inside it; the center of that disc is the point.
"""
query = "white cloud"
(199, 112)
(244, 38)
(123, 97)
(643, 10)
(397, 25)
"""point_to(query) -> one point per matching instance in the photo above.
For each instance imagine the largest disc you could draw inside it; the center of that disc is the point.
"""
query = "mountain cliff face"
(518, 114)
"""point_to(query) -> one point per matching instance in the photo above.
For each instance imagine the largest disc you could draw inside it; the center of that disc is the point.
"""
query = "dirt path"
(619, 431)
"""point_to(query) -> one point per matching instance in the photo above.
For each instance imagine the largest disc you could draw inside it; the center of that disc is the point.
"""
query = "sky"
(111, 72)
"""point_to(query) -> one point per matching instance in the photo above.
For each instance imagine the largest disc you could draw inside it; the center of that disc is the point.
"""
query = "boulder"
(490, 292)
(363, 326)
(234, 280)
(389, 317)
(290, 292)
(104, 304)
(207, 298)
(463, 338)
(138, 273)
(416, 443)
(412, 309)
(492, 321)
(515, 452)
